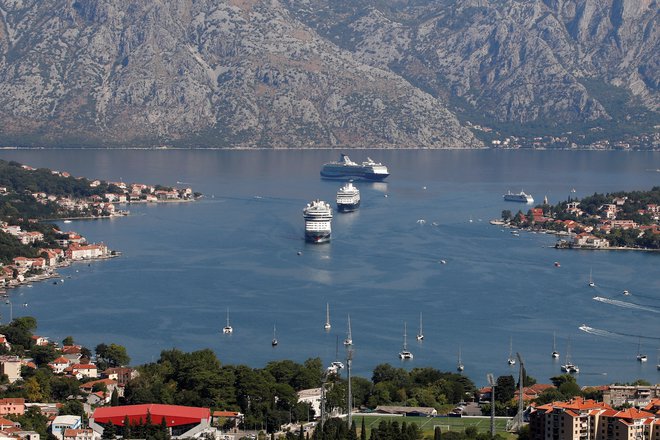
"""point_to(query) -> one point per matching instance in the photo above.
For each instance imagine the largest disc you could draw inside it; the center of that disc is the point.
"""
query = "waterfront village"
(619, 221)
(44, 246)
(68, 394)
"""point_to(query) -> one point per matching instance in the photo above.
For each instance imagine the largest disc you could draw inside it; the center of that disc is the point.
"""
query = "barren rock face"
(310, 73)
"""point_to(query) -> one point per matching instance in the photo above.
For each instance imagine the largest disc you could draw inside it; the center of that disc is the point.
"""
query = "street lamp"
(491, 382)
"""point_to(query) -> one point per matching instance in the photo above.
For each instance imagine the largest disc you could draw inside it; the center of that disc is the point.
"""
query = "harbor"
(382, 266)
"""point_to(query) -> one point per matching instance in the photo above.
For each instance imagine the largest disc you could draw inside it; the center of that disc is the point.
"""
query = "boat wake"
(608, 334)
(626, 304)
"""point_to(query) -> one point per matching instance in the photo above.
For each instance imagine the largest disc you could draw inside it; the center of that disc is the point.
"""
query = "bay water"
(241, 248)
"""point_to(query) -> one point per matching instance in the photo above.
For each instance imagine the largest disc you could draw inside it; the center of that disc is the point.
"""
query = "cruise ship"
(520, 197)
(345, 168)
(318, 219)
(348, 198)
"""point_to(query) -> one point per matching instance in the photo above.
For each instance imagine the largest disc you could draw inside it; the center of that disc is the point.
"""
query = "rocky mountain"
(320, 73)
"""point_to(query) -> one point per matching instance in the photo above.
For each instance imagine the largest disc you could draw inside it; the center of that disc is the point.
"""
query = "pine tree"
(109, 431)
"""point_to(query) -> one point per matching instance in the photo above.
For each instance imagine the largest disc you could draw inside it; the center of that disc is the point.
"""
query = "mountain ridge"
(315, 73)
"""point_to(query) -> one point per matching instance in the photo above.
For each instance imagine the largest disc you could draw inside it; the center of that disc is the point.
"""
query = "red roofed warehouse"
(183, 421)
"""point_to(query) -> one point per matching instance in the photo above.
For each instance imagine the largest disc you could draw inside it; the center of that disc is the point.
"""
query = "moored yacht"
(318, 221)
(327, 325)
(405, 354)
(555, 353)
(568, 366)
(348, 198)
(227, 329)
(349, 336)
(511, 360)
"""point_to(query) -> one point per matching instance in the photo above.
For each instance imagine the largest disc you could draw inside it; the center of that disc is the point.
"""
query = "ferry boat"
(348, 198)
(318, 219)
(520, 197)
(345, 168)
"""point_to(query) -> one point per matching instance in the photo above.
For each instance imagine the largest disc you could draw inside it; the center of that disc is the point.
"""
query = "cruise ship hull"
(317, 237)
(348, 207)
(355, 174)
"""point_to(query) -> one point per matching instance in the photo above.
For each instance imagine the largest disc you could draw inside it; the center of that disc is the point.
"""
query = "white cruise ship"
(318, 221)
(345, 169)
(520, 197)
(348, 198)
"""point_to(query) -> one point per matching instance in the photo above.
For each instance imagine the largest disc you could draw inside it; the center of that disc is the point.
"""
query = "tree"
(114, 398)
(437, 433)
(68, 341)
(33, 390)
(112, 355)
(363, 430)
(109, 431)
(506, 388)
(43, 354)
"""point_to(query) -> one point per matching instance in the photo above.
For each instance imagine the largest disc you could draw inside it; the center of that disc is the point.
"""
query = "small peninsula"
(31, 248)
(613, 221)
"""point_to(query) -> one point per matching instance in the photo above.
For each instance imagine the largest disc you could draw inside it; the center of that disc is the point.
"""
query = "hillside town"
(31, 249)
(62, 391)
(621, 221)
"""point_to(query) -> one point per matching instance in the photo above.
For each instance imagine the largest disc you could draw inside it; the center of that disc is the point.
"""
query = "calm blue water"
(184, 264)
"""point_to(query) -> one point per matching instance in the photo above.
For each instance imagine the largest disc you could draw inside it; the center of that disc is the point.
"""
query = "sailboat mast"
(405, 341)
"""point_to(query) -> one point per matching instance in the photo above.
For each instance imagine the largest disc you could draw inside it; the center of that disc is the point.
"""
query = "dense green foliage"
(18, 180)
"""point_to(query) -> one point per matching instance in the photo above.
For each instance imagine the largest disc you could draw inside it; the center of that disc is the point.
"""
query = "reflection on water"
(183, 265)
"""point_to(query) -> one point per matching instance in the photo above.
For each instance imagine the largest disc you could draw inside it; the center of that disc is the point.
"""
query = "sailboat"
(349, 337)
(555, 353)
(459, 367)
(404, 354)
(274, 342)
(227, 329)
(591, 281)
(337, 365)
(640, 357)
(657, 366)
(327, 325)
(569, 367)
(420, 335)
(511, 360)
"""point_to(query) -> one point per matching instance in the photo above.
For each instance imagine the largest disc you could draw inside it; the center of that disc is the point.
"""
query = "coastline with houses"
(31, 248)
(622, 221)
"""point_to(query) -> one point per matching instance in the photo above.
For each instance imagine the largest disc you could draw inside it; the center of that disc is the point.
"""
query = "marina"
(242, 248)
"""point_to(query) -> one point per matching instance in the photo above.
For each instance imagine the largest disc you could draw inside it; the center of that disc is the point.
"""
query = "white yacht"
(327, 325)
(511, 360)
(640, 357)
(405, 354)
(459, 366)
(420, 335)
(274, 342)
(555, 353)
(591, 281)
(349, 337)
(348, 198)
(227, 329)
(568, 366)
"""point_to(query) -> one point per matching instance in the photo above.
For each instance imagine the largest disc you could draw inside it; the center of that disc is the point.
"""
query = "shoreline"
(568, 235)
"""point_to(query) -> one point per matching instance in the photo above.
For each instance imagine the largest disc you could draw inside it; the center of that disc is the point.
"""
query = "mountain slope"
(241, 73)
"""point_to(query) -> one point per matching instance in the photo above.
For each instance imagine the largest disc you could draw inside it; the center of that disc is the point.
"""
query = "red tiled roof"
(174, 415)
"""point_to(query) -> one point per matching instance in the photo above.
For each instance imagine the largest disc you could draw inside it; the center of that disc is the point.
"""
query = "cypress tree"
(301, 434)
(114, 398)
(126, 429)
(437, 434)
(352, 435)
(363, 431)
